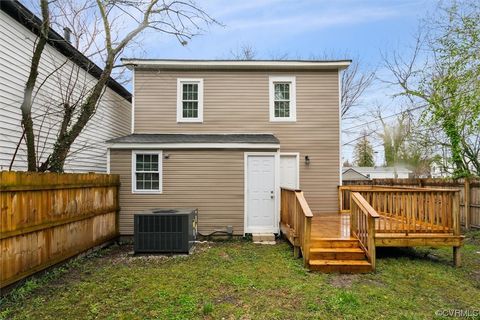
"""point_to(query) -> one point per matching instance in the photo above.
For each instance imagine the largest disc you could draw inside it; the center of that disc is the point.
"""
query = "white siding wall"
(112, 119)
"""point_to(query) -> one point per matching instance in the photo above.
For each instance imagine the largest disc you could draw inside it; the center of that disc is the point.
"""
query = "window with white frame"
(282, 99)
(147, 171)
(190, 100)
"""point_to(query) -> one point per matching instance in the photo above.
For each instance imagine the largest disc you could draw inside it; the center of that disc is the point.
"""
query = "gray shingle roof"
(197, 138)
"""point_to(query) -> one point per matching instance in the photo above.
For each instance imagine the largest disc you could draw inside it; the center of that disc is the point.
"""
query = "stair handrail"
(298, 216)
(362, 225)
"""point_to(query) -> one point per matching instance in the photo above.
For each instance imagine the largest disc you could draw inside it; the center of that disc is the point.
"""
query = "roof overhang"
(195, 141)
(164, 146)
(235, 64)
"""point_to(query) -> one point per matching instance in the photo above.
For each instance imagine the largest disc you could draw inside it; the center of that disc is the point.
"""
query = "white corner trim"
(160, 172)
(340, 123)
(133, 101)
(180, 117)
(293, 98)
(161, 146)
(108, 160)
(276, 156)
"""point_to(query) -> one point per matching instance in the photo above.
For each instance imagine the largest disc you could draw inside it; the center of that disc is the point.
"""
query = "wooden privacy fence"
(469, 193)
(296, 221)
(47, 218)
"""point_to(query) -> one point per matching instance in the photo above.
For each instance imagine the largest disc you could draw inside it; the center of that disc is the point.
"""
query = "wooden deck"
(337, 226)
(385, 217)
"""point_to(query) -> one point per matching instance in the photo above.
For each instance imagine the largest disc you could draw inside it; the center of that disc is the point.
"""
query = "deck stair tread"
(334, 239)
(328, 250)
(339, 262)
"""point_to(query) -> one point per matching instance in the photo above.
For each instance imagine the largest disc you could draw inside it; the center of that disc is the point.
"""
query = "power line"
(392, 115)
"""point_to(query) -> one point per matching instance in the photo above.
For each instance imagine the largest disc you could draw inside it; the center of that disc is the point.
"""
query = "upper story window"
(282, 99)
(190, 100)
(147, 171)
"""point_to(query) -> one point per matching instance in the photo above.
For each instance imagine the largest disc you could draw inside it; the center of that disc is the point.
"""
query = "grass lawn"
(241, 280)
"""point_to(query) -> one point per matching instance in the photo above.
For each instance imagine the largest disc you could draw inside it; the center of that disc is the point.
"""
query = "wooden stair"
(342, 255)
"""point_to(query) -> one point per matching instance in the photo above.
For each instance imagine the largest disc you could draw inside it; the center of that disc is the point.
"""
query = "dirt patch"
(342, 280)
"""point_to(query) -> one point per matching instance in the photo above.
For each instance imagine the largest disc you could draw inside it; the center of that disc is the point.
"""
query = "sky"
(364, 30)
(358, 29)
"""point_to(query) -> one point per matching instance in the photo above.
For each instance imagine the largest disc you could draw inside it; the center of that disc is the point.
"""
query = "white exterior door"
(289, 171)
(260, 193)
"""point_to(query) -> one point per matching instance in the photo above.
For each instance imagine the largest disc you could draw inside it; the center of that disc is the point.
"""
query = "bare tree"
(244, 52)
(102, 29)
(442, 76)
(354, 83)
(26, 107)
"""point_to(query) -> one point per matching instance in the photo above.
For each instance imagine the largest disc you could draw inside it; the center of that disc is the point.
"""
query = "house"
(64, 71)
(224, 136)
(352, 174)
(356, 173)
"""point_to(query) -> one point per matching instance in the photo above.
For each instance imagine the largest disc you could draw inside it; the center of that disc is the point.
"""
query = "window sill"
(283, 120)
(191, 120)
(146, 191)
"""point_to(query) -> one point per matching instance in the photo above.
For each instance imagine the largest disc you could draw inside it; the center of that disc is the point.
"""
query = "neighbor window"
(146, 172)
(190, 100)
(282, 99)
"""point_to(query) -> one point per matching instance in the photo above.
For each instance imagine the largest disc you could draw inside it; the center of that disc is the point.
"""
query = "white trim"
(340, 125)
(180, 118)
(160, 172)
(297, 155)
(276, 156)
(232, 64)
(153, 146)
(293, 98)
(133, 101)
(108, 160)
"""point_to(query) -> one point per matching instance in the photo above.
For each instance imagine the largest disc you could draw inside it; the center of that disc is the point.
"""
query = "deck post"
(340, 199)
(456, 213)
(306, 240)
(296, 252)
(457, 258)
(371, 241)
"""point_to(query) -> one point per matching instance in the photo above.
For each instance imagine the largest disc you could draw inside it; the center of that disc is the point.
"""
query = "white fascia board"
(192, 64)
(162, 146)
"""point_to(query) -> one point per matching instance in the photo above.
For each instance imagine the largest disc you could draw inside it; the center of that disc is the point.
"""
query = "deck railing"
(296, 220)
(409, 210)
(362, 226)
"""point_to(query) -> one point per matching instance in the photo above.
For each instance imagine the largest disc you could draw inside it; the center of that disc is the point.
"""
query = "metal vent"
(165, 230)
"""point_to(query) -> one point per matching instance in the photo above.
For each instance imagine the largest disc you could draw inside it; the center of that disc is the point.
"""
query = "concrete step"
(263, 238)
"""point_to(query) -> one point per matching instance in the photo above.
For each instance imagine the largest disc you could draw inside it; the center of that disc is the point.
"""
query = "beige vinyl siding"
(238, 102)
(210, 180)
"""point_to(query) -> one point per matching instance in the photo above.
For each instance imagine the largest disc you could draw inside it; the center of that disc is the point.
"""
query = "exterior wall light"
(307, 160)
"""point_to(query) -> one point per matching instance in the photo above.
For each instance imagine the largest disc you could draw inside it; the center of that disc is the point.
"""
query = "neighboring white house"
(364, 173)
(18, 33)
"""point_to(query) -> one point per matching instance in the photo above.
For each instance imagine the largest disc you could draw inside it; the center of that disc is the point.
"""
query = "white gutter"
(231, 64)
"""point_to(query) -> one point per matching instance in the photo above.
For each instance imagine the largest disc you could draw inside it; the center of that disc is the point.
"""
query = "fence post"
(456, 227)
(466, 203)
